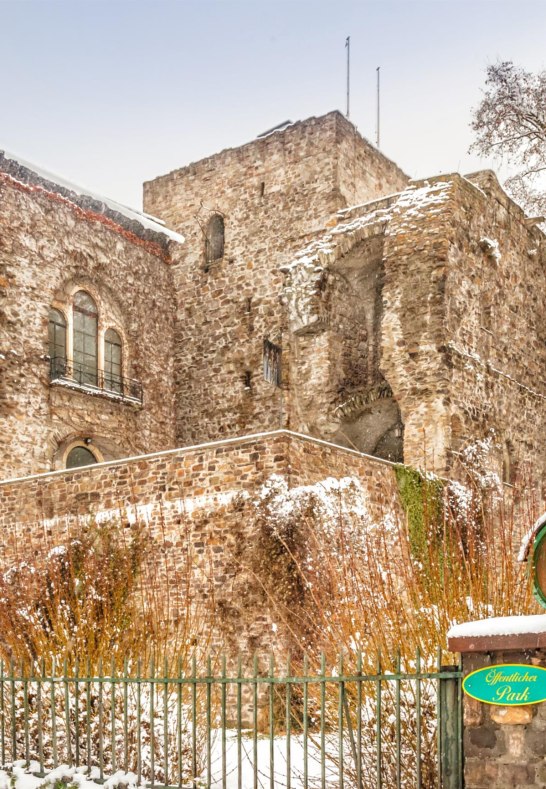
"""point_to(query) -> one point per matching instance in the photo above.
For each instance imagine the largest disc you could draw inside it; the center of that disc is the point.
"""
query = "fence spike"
(254, 723)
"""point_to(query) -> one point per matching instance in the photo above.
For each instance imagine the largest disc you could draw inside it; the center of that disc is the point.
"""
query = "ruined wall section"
(495, 325)
(274, 194)
(333, 293)
(366, 298)
(413, 357)
(49, 246)
(191, 501)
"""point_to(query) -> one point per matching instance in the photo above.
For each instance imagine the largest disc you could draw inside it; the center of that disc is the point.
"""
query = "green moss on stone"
(422, 499)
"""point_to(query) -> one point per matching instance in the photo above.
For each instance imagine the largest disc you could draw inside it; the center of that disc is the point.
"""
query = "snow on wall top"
(412, 202)
(500, 626)
(70, 190)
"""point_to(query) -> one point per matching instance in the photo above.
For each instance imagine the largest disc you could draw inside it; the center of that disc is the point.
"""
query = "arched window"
(112, 362)
(214, 238)
(80, 456)
(85, 338)
(57, 343)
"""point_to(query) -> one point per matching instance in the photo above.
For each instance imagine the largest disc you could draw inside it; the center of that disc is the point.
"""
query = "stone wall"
(421, 313)
(368, 292)
(496, 336)
(410, 324)
(52, 245)
(274, 194)
(463, 339)
(191, 500)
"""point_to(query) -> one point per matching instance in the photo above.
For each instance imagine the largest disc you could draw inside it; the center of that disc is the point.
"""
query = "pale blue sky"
(109, 93)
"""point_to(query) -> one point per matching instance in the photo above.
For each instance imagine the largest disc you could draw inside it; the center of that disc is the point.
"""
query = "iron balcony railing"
(332, 725)
(87, 377)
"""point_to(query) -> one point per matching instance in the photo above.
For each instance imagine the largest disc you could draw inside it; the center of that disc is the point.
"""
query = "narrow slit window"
(113, 362)
(214, 239)
(272, 359)
(57, 343)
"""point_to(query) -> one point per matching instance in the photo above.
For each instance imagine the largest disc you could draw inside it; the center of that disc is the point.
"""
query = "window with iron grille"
(272, 363)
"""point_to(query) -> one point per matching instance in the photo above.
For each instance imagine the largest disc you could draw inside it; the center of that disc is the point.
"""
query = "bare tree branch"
(510, 124)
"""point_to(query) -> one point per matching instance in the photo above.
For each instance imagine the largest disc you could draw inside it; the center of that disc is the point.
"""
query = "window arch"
(86, 350)
(113, 366)
(214, 238)
(85, 338)
(80, 456)
(57, 342)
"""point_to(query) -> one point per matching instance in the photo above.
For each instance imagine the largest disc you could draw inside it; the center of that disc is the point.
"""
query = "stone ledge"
(225, 442)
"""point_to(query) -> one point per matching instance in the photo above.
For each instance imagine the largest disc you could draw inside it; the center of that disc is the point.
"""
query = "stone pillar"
(502, 746)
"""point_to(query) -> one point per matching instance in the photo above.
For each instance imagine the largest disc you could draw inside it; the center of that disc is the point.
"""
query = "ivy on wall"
(422, 498)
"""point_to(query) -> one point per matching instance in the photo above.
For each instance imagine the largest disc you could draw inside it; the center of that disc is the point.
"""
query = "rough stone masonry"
(299, 282)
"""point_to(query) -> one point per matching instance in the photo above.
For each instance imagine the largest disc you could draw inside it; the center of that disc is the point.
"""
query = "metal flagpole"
(377, 134)
(348, 47)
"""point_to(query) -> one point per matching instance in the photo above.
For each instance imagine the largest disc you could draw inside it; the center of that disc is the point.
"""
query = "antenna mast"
(377, 128)
(348, 47)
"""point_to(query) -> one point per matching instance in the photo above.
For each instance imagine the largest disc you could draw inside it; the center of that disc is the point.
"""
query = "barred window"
(272, 363)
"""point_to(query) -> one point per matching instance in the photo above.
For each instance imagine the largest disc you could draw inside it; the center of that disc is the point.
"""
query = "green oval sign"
(511, 684)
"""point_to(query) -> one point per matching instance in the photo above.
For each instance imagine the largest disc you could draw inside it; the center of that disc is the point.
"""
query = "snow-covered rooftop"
(145, 220)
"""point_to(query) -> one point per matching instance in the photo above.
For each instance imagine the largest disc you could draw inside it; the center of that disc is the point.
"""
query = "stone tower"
(244, 213)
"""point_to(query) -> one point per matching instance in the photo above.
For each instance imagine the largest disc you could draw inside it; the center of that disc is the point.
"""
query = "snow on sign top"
(147, 221)
(529, 538)
(500, 626)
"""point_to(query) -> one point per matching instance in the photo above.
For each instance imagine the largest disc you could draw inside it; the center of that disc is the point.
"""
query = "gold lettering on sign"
(505, 693)
(494, 676)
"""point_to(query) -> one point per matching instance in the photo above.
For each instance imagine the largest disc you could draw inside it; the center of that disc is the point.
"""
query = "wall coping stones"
(238, 440)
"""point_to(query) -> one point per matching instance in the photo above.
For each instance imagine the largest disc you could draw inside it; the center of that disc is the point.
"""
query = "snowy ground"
(21, 776)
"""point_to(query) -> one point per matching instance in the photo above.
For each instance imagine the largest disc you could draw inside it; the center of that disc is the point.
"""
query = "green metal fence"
(340, 725)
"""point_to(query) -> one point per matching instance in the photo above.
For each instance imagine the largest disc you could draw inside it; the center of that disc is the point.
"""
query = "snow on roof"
(529, 538)
(278, 128)
(500, 626)
(148, 222)
(410, 203)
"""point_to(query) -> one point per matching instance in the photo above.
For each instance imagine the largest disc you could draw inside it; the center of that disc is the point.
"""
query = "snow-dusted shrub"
(76, 600)
(110, 591)
(21, 775)
(339, 577)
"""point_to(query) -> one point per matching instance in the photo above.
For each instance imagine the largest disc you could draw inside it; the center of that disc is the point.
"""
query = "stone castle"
(305, 283)
(296, 305)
